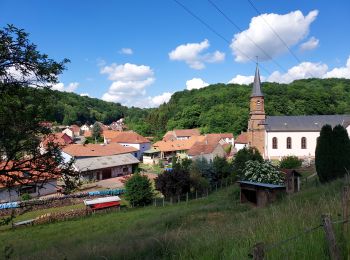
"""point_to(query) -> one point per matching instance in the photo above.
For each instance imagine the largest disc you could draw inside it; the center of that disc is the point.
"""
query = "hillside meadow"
(216, 227)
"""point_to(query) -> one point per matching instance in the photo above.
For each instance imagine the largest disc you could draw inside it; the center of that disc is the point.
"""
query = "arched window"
(274, 143)
(289, 143)
(303, 143)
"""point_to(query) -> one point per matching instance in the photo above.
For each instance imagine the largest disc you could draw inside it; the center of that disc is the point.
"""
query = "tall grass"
(217, 227)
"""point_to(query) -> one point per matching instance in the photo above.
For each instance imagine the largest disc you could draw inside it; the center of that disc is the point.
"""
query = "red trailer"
(103, 203)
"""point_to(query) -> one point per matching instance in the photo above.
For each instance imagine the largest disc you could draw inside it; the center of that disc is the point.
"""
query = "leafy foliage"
(263, 172)
(173, 183)
(96, 131)
(26, 76)
(332, 153)
(244, 155)
(290, 162)
(138, 190)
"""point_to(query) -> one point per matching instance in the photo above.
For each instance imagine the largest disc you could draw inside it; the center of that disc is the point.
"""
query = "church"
(279, 136)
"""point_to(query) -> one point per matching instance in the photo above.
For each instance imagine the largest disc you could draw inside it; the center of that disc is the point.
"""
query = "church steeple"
(256, 123)
(257, 84)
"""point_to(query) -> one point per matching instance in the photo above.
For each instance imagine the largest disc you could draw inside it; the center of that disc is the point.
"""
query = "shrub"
(290, 162)
(138, 190)
(263, 172)
(26, 196)
(244, 155)
(173, 183)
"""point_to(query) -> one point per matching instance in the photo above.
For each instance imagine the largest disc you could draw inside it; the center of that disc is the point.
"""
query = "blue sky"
(167, 50)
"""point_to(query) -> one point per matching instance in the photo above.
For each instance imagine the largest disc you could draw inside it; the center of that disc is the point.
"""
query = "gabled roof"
(178, 145)
(304, 123)
(220, 136)
(261, 184)
(95, 150)
(242, 138)
(61, 139)
(186, 132)
(19, 177)
(200, 148)
(125, 137)
(95, 163)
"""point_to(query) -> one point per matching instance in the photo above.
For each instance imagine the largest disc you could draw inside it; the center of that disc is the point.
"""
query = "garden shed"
(292, 180)
(259, 194)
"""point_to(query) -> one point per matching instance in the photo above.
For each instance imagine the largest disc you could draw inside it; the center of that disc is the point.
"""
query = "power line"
(239, 29)
(215, 32)
(273, 30)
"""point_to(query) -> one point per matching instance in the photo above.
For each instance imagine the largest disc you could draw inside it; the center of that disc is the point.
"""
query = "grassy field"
(216, 227)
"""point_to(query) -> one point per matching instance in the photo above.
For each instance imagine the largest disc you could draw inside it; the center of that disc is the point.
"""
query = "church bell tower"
(257, 116)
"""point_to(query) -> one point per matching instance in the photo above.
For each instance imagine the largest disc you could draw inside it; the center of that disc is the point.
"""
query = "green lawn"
(217, 227)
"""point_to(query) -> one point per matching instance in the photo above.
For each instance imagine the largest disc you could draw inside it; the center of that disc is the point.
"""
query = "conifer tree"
(324, 154)
(341, 151)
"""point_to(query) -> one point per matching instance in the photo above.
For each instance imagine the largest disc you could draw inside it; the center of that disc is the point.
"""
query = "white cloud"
(129, 84)
(127, 51)
(302, 71)
(291, 27)
(195, 83)
(342, 72)
(244, 80)
(192, 54)
(70, 88)
(311, 44)
(160, 99)
(84, 95)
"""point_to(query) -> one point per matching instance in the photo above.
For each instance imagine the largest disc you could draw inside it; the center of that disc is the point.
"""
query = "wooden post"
(196, 194)
(207, 192)
(186, 197)
(345, 206)
(216, 186)
(332, 243)
(258, 251)
(178, 198)
(163, 201)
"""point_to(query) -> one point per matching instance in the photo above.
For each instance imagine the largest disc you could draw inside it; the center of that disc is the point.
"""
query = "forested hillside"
(225, 108)
(216, 108)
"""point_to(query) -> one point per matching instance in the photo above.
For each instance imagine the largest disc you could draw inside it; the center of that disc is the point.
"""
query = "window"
(27, 189)
(274, 143)
(303, 143)
(289, 143)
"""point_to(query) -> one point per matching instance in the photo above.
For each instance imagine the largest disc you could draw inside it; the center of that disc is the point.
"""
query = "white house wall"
(140, 147)
(311, 140)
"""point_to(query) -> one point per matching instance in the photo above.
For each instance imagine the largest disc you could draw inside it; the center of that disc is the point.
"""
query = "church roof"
(304, 123)
(257, 84)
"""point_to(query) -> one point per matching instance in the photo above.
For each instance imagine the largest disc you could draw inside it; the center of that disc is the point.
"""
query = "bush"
(290, 162)
(244, 155)
(173, 183)
(138, 190)
(26, 196)
(263, 172)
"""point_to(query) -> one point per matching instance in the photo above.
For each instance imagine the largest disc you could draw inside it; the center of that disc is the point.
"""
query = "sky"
(138, 53)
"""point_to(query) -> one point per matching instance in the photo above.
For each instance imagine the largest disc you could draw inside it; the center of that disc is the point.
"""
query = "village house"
(60, 139)
(180, 134)
(198, 146)
(101, 161)
(75, 129)
(117, 125)
(241, 141)
(279, 136)
(68, 132)
(128, 139)
(41, 184)
(84, 128)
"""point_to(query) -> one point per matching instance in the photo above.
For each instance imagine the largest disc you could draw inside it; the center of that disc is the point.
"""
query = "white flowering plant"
(263, 172)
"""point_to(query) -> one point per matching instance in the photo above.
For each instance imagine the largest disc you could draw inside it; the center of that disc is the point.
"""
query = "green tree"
(324, 160)
(222, 169)
(26, 77)
(290, 162)
(263, 172)
(341, 151)
(244, 155)
(174, 183)
(96, 131)
(139, 190)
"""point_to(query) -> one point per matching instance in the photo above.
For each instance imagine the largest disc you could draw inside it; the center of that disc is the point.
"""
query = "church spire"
(257, 84)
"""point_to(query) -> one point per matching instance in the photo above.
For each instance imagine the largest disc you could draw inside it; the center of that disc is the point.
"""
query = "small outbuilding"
(292, 180)
(259, 194)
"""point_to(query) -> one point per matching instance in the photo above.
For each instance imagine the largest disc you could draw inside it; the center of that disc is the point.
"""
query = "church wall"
(296, 150)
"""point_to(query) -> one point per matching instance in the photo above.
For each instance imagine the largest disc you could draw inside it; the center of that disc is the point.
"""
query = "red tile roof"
(93, 150)
(124, 137)
(18, 176)
(186, 132)
(242, 138)
(61, 139)
(202, 148)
